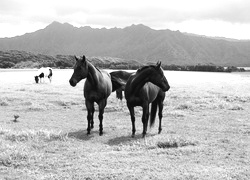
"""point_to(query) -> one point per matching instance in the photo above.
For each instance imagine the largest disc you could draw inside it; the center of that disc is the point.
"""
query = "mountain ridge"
(138, 42)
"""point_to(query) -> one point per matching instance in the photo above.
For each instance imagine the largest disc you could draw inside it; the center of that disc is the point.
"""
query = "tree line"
(21, 59)
(205, 68)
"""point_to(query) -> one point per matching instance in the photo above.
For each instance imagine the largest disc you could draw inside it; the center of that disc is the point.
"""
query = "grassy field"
(206, 131)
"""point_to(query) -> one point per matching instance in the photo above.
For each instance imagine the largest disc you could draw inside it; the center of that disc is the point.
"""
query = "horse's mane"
(97, 68)
(143, 68)
(94, 66)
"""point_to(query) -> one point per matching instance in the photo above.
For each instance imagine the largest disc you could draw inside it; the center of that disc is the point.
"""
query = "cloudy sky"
(224, 18)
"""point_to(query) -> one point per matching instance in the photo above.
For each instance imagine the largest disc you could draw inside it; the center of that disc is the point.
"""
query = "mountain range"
(135, 42)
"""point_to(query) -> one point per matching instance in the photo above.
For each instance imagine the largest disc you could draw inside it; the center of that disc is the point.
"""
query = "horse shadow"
(126, 139)
(82, 135)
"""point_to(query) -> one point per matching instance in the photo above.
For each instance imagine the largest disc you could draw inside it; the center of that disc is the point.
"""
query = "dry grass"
(206, 131)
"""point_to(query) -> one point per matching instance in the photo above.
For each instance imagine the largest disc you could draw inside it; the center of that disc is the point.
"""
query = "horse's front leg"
(91, 110)
(145, 116)
(102, 104)
(132, 115)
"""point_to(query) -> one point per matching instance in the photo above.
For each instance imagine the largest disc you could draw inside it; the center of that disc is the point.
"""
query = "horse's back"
(46, 70)
(124, 75)
(118, 81)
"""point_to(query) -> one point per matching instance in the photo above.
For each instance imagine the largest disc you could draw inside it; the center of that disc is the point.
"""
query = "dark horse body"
(122, 76)
(97, 88)
(147, 85)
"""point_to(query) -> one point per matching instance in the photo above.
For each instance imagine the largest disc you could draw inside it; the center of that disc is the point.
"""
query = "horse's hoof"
(101, 133)
(159, 132)
(133, 136)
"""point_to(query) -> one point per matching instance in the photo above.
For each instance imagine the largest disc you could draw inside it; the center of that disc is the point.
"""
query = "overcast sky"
(224, 18)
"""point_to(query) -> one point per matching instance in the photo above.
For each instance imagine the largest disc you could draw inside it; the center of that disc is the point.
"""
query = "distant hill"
(136, 42)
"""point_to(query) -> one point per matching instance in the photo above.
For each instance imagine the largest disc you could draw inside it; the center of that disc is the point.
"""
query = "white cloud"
(230, 18)
(213, 28)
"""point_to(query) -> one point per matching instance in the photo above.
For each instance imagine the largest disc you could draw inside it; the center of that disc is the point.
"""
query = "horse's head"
(80, 71)
(158, 78)
(36, 79)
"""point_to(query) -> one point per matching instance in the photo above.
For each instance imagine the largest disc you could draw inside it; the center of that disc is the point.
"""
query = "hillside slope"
(137, 42)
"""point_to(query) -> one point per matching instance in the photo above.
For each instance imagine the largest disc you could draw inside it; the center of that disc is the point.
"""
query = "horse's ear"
(158, 65)
(83, 58)
(83, 61)
(76, 58)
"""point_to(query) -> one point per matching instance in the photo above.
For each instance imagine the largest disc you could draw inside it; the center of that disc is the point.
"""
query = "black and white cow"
(42, 73)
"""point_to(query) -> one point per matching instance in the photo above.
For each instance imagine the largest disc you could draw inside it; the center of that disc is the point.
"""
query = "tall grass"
(19, 148)
(26, 135)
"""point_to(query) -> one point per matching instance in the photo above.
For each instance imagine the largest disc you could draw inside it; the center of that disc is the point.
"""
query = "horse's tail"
(116, 83)
(119, 94)
(153, 112)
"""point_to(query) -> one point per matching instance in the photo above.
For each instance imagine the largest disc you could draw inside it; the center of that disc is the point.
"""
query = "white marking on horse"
(42, 73)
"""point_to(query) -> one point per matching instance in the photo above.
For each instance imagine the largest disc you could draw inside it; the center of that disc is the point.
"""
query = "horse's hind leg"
(102, 105)
(92, 119)
(90, 109)
(132, 115)
(145, 116)
(160, 115)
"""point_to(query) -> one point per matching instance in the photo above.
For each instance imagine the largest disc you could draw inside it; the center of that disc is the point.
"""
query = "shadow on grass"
(82, 135)
(126, 139)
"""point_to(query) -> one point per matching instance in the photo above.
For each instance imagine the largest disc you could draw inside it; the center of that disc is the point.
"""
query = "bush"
(6, 64)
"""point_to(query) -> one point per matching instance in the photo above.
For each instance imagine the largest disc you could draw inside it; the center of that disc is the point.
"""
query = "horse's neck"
(139, 81)
(92, 75)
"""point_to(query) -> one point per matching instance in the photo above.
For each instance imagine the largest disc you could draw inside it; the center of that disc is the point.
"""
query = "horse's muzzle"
(166, 88)
(72, 83)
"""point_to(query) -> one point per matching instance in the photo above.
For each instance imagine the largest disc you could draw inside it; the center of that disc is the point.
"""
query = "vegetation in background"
(200, 67)
(21, 59)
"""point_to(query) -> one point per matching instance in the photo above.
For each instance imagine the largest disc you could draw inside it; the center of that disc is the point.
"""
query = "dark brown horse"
(123, 77)
(97, 88)
(147, 85)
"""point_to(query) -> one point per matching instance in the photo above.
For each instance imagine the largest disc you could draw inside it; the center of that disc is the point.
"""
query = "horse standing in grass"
(123, 77)
(42, 73)
(147, 85)
(97, 88)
